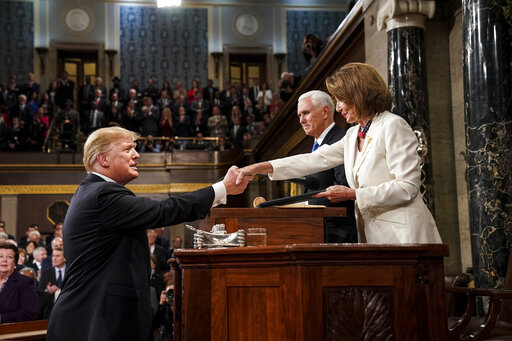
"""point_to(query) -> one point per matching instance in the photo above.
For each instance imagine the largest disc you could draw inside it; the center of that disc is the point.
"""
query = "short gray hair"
(34, 232)
(38, 250)
(319, 99)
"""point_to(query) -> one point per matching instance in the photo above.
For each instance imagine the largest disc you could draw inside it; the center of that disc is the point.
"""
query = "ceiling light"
(168, 3)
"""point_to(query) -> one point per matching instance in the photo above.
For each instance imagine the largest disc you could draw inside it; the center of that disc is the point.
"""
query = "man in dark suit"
(66, 88)
(209, 91)
(316, 111)
(106, 293)
(157, 251)
(30, 86)
(51, 281)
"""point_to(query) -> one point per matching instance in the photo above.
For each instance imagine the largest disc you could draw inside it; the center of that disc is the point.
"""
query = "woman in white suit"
(382, 165)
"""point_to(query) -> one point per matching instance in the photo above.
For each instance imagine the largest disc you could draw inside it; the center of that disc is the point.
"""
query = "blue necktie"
(59, 279)
(315, 147)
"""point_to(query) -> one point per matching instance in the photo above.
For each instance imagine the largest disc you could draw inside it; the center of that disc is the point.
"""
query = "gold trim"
(48, 210)
(70, 189)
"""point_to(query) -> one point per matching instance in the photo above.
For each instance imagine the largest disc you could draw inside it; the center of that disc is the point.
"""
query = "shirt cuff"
(220, 194)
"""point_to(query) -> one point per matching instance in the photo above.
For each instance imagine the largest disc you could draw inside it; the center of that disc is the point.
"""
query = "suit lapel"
(369, 142)
(350, 150)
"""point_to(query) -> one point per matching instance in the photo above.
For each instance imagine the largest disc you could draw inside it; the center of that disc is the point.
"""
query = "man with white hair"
(39, 255)
(35, 237)
(316, 115)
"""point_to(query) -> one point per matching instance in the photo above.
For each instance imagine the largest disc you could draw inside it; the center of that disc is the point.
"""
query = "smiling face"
(314, 120)
(347, 111)
(120, 162)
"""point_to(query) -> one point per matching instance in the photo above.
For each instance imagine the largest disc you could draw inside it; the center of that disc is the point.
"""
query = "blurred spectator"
(182, 124)
(98, 85)
(151, 90)
(30, 247)
(30, 87)
(129, 117)
(57, 233)
(286, 86)
(4, 229)
(161, 240)
(311, 48)
(22, 259)
(24, 240)
(65, 90)
(200, 124)
(179, 91)
(209, 91)
(157, 251)
(150, 146)
(18, 296)
(177, 243)
(166, 124)
(117, 89)
(150, 118)
(36, 133)
(236, 135)
(252, 127)
(254, 90)
(218, 124)
(194, 91)
(164, 101)
(51, 282)
(199, 143)
(55, 244)
(223, 144)
(47, 105)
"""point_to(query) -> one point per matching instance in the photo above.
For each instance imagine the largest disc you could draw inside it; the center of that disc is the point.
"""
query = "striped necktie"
(315, 147)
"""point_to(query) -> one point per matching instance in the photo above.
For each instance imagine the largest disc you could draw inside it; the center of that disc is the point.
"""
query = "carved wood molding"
(358, 313)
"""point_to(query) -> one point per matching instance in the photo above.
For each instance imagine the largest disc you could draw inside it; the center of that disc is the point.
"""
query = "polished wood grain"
(308, 224)
(313, 292)
(30, 330)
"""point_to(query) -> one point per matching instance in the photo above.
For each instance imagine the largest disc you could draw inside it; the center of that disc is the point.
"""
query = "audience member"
(65, 89)
(164, 101)
(218, 124)
(57, 232)
(179, 91)
(30, 87)
(223, 145)
(166, 124)
(117, 89)
(51, 282)
(177, 243)
(209, 91)
(286, 86)
(150, 145)
(30, 247)
(236, 135)
(114, 112)
(55, 244)
(182, 124)
(24, 240)
(22, 259)
(199, 143)
(194, 91)
(265, 93)
(3, 228)
(151, 90)
(36, 264)
(18, 296)
(150, 118)
(162, 240)
(254, 90)
(200, 124)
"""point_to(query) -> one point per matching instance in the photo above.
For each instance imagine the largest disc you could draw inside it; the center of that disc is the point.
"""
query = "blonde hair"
(100, 141)
(361, 86)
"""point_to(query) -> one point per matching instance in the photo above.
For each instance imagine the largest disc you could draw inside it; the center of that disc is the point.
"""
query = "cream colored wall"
(376, 42)
(459, 136)
(441, 142)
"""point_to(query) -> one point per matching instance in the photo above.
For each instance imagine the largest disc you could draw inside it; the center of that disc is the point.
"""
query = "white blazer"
(386, 177)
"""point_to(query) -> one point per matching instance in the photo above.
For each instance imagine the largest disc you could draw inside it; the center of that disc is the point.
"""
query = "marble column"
(404, 21)
(488, 116)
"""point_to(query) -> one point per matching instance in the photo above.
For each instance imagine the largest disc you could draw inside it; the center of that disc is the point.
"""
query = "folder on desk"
(290, 200)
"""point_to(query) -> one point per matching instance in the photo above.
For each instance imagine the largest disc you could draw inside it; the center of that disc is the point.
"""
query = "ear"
(325, 111)
(102, 160)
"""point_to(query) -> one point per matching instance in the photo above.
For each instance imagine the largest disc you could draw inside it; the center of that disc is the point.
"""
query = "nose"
(135, 154)
(302, 119)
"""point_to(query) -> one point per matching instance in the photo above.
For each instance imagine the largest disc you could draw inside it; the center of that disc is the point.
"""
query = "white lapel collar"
(350, 150)
(369, 141)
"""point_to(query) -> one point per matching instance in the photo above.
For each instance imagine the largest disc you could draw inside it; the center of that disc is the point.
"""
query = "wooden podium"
(284, 225)
(311, 292)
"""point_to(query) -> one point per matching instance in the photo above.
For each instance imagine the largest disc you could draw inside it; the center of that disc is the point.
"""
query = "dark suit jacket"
(337, 230)
(106, 295)
(46, 299)
(161, 264)
(18, 299)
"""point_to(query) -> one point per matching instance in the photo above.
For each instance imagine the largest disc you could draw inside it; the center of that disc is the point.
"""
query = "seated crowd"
(232, 115)
(43, 266)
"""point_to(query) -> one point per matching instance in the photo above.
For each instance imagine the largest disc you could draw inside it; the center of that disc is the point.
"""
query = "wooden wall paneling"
(196, 320)
(32, 210)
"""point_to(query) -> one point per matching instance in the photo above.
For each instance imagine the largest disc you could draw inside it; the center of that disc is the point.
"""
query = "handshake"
(236, 179)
